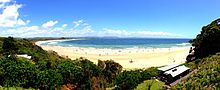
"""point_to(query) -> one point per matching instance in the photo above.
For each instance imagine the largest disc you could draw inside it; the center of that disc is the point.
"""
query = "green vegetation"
(207, 64)
(208, 41)
(9, 46)
(47, 70)
(150, 85)
(128, 80)
(70, 72)
(17, 72)
(14, 88)
(47, 79)
(110, 69)
(206, 77)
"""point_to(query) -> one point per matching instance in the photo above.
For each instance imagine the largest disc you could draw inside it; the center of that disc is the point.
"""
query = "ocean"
(121, 43)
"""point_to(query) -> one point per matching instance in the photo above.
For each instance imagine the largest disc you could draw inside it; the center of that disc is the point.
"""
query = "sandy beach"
(129, 58)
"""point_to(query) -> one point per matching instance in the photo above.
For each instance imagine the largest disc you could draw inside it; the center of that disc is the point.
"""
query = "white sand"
(142, 58)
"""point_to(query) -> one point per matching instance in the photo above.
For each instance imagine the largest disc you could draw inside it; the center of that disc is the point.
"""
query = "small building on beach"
(173, 72)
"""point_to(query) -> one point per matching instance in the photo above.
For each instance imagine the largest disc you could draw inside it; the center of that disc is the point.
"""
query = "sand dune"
(141, 58)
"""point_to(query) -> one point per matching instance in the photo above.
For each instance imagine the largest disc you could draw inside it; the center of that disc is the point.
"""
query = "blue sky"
(121, 18)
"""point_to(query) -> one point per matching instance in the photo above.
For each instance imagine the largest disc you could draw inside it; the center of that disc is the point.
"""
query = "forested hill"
(47, 70)
(208, 41)
(207, 64)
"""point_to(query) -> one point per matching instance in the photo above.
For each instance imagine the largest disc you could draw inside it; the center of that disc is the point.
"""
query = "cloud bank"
(12, 25)
(49, 24)
(9, 14)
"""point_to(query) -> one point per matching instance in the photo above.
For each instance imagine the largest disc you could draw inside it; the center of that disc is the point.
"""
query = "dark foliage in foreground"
(128, 80)
(47, 70)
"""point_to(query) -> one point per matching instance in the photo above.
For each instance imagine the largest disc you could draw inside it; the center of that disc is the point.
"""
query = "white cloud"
(64, 25)
(20, 31)
(23, 30)
(85, 24)
(49, 24)
(10, 15)
(78, 23)
(111, 32)
(21, 22)
(10, 18)
(36, 31)
(142, 34)
(4, 1)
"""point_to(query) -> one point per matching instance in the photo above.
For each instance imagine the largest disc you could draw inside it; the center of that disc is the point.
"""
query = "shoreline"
(130, 58)
(46, 41)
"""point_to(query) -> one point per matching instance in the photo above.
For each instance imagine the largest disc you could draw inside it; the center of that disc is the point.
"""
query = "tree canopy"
(9, 46)
(208, 41)
(46, 70)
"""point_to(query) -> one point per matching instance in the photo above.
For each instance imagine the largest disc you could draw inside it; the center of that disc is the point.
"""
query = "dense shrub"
(110, 69)
(48, 79)
(206, 77)
(89, 70)
(70, 72)
(128, 80)
(9, 46)
(18, 72)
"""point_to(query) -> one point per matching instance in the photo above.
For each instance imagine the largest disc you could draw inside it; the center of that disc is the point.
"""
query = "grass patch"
(153, 84)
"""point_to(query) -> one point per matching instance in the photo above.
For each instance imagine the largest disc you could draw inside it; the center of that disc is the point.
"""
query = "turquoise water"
(121, 43)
